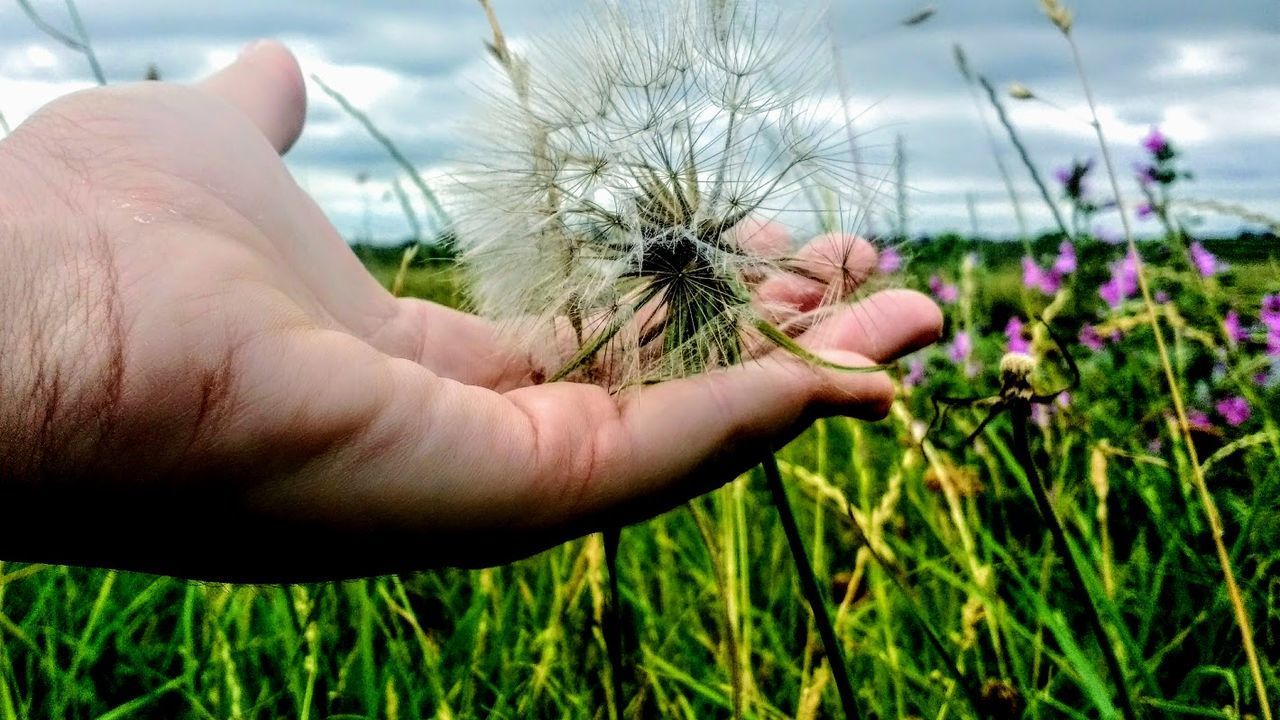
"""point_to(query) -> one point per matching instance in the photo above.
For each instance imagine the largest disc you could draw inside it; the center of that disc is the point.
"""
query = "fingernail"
(251, 47)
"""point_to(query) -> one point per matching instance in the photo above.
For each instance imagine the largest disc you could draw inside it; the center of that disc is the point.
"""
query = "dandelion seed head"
(619, 173)
(1016, 368)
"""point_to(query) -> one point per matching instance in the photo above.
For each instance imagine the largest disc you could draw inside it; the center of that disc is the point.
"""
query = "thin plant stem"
(1020, 412)
(1001, 167)
(1197, 470)
(83, 32)
(1024, 154)
(81, 45)
(613, 618)
(433, 202)
(809, 586)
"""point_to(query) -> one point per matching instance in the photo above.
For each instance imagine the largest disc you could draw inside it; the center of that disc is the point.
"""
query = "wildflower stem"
(440, 217)
(1014, 200)
(81, 44)
(1020, 411)
(1179, 407)
(809, 586)
(1024, 154)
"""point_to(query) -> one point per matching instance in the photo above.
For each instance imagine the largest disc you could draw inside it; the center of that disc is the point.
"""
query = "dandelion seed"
(1018, 91)
(612, 179)
(1058, 14)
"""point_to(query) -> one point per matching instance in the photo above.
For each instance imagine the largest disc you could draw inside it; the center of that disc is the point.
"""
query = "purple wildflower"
(1037, 278)
(1107, 235)
(915, 373)
(1017, 341)
(1235, 410)
(1065, 263)
(1090, 338)
(1146, 173)
(1198, 420)
(1273, 343)
(1206, 264)
(944, 292)
(1063, 175)
(1144, 211)
(1234, 329)
(1270, 314)
(890, 261)
(961, 347)
(1155, 142)
(1161, 297)
(1123, 283)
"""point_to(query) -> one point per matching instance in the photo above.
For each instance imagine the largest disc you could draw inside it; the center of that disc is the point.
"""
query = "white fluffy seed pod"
(603, 220)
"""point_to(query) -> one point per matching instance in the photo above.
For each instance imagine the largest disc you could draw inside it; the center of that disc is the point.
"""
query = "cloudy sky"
(1206, 72)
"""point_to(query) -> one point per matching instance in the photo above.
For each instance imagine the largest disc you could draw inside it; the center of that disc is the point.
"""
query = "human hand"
(197, 377)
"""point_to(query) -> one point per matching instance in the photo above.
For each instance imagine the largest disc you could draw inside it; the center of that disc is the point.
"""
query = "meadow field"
(947, 542)
(1115, 554)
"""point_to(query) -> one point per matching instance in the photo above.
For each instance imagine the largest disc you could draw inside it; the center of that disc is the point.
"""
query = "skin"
(198, 378)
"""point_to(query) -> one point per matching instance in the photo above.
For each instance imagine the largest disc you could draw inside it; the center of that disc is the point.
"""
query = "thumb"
(265, 83)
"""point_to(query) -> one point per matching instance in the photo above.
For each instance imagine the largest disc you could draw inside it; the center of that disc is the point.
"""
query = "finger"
(882, 327)
(766, 238)
(829, 267)
(444, 457)
(265, 83)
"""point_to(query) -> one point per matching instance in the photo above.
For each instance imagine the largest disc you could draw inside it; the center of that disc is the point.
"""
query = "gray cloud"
(1204, 71)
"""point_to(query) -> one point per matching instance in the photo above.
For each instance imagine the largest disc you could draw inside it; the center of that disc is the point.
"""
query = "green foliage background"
(709, 590)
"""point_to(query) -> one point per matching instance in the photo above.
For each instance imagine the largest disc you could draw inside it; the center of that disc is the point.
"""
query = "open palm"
(196, 371)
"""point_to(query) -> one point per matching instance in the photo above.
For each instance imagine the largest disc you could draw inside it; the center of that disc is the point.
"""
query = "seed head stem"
(809, 586)
(1020, 412)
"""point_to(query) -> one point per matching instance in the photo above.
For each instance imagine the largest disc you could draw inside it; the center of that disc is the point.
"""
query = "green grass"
(709, 591)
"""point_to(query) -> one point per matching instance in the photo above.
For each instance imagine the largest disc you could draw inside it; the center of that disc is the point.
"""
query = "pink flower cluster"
(944, 292)
(1205, 262)
(1049, 280)
(1123, 283)
(1018, 341)
(1270, 317)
